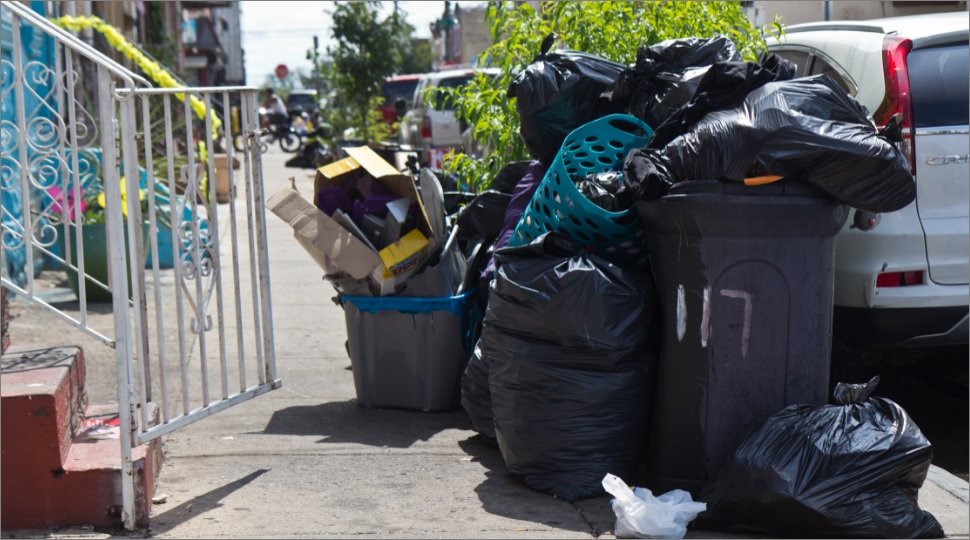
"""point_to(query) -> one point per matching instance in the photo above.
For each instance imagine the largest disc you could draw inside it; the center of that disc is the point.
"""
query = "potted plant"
(89, 214)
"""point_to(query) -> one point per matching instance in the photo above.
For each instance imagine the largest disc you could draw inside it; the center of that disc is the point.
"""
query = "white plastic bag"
(641, 515)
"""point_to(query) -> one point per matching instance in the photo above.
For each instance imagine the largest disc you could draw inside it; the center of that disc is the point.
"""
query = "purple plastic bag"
(375, 205)
(331, 199)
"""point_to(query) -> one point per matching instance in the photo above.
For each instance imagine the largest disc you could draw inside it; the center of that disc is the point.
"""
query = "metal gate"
(187, 270)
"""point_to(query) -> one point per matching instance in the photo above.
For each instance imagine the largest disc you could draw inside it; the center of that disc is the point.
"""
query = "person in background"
(275, 108)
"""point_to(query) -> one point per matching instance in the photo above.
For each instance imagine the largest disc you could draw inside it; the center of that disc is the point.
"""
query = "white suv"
(904, 282)
(432, 128)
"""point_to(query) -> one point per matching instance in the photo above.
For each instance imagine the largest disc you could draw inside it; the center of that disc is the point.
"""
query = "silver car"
(432, 128)
(901, 278)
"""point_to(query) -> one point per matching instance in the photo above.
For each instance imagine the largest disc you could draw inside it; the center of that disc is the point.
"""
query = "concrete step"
(43, 403)
(90, 489)
(61, 459)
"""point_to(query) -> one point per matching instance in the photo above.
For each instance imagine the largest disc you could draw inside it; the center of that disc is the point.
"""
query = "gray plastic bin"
(407, 353)
(745, 277)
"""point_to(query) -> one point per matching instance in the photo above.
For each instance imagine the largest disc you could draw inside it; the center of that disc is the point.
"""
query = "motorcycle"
(317, 151)
(275, 129)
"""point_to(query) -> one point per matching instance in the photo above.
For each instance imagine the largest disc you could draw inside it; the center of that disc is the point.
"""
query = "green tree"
(361, 62)
(613, 29)
(410, 55)
(418, 57)
(316, 78)
(320, 64)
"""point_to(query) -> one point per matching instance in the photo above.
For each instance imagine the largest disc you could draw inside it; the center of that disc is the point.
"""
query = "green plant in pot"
(89, 213)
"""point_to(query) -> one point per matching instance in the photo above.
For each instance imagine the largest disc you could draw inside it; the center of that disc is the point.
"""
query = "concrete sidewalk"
(306, 461)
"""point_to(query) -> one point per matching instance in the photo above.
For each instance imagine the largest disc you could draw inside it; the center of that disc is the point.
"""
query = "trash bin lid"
(785, 187)
(729, 209)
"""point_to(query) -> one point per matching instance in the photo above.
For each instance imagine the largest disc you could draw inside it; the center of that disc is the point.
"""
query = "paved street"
(306, 462)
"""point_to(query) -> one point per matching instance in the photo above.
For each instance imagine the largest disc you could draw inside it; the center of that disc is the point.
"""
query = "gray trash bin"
(745, 277)
(407, 353)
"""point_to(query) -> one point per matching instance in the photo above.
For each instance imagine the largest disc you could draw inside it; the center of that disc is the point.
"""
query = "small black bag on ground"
(852, 469)
(570, 343)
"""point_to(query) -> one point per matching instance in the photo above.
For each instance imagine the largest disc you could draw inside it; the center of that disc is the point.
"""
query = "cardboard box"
(405, 255)
(321, 236)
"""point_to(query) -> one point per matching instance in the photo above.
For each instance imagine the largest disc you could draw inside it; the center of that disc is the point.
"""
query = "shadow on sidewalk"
(346, 422)
(167, 520)
(502, 494)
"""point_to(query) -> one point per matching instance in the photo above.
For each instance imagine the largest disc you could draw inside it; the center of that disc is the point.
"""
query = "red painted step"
(61, 460)
(43, 405)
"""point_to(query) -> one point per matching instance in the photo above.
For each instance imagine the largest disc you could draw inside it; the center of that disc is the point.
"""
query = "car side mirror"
(400, 106)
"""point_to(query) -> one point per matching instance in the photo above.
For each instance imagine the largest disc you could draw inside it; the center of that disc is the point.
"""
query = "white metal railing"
(193, 332)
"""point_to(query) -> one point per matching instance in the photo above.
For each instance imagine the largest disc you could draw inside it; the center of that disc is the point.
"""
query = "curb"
(952, 484)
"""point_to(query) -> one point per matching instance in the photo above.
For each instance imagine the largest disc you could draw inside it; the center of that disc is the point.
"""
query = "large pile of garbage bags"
(558, 313)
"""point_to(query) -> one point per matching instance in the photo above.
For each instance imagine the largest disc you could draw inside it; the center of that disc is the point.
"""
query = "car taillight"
(426, 128)
(898, 99)
(899, 279)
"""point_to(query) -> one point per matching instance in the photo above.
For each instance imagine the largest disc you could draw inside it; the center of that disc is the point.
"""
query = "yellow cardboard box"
(320, 235)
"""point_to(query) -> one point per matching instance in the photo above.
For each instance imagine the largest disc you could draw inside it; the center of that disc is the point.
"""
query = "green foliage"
(316, 78)
(158, 43)
(417, 57)
(361, 62)
(367, 51)
(613, 29)
(341, 114)
(410, 55)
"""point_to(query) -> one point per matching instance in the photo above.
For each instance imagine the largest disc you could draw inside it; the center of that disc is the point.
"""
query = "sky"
(280, 32)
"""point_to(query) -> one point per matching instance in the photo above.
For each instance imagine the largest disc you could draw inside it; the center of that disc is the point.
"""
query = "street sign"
(282, 71)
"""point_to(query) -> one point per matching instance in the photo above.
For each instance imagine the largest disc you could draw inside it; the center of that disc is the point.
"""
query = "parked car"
(301, 101)
(432, 128)
(903, 283)
(398, 87)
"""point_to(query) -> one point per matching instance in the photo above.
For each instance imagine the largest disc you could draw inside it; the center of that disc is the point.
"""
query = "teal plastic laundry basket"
(598, 146)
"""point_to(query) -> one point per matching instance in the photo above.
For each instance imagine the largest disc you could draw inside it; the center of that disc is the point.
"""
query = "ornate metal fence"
(118, 186)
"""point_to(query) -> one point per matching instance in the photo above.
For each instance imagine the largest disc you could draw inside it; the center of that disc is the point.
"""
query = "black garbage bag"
(558, 92)
(570, 341)
(723, 86)
(605, 190)
(666, 75)
(805, 129)
(849, 470)
(316, 152)
(475, 396)
(484, 215)
(509, 175)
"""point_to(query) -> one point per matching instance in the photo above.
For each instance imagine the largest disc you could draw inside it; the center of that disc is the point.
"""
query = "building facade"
(199, 40)
(459, 36)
